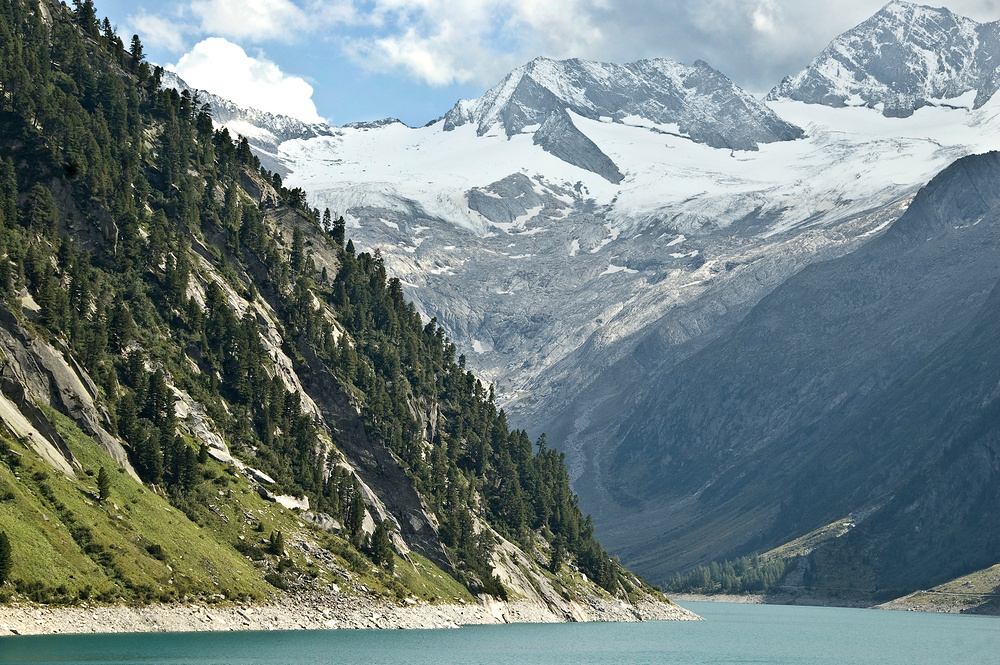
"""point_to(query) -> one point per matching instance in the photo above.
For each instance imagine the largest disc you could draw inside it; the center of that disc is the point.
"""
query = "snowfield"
(851, 160)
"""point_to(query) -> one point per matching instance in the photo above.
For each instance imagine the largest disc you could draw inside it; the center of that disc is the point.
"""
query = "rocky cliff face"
(797, 414)
(905, 57)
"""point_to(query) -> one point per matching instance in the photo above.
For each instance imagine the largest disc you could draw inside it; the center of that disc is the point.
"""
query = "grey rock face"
(36, 372)
(704, 104)
(902, 57)
(773, 414)
(560, 137)
(505, 200)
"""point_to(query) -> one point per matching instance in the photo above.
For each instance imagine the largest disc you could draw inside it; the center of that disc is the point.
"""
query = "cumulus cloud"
(158, 31)
(225, 69)
(446, 42)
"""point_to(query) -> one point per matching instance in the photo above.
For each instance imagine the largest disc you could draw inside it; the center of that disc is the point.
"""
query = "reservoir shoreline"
(313, 612)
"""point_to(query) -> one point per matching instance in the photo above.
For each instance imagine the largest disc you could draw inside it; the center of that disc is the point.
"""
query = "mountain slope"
(579, 296)
(170, 311)
(904, 57)
(939, 519)
(749, 433)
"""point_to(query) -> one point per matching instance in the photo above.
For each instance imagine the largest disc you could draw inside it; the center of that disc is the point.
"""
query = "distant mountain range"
(709, 302)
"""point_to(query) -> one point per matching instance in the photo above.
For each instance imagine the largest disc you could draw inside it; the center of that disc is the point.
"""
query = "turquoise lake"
(759, 634)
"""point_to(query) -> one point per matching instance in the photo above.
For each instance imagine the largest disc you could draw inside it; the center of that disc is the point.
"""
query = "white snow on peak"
(902, 57)
(851, 158)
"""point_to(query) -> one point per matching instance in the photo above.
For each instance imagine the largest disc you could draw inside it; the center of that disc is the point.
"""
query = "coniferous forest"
(136, 242)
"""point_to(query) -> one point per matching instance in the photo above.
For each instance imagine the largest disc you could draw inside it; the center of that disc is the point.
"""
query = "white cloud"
(456, 41)
(250, 19)
(763, 17)
(157, 31)
(225, 69)
(430, 59)
(326, 13)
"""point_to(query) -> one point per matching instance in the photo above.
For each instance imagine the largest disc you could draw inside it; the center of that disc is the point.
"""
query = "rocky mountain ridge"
(905, 57)
(699, 101)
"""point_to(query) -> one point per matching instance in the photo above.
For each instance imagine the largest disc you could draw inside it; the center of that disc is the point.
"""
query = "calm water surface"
(764, 634)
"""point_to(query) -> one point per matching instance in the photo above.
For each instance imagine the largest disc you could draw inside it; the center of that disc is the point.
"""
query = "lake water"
(759, 634)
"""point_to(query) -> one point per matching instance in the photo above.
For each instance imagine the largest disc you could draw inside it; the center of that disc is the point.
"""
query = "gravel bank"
(312, 612)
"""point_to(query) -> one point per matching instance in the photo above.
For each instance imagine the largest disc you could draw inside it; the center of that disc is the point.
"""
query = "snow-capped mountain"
(698, 101)
(582, 227)
(904, 57)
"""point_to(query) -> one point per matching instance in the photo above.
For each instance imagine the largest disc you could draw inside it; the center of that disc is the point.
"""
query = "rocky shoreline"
(307, 613)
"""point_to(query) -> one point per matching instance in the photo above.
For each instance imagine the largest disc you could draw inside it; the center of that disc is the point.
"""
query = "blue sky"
(350, 60)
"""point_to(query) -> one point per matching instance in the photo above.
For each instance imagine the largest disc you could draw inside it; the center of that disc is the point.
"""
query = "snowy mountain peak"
(704, 105)
(904, 57)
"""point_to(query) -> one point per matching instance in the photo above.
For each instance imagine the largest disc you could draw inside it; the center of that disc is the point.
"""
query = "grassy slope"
(69, 547)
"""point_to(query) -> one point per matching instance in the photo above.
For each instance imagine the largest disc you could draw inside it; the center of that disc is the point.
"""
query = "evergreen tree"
(276, 544)
(135, 50)
(298, 258)
(382, 548)
(339, 230)
(558, 554)
(103, 485)
(42, 214)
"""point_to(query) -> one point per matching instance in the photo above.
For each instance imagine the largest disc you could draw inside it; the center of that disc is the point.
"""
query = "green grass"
(69, 547)
(62, 537)
(425, 580)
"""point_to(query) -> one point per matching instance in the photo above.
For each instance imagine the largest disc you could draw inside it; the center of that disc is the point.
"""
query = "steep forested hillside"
(171, 311)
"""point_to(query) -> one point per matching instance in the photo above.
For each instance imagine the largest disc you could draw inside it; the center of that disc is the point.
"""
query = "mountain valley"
(746, 329)
(606, 264)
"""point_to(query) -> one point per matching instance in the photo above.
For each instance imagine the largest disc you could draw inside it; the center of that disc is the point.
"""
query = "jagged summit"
(903, 57)
(697, 102)
(702, 102)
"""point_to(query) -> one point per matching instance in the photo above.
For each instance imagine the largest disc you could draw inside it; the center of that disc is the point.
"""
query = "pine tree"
(103, 485)
(298, 258)
(6, 558)
(135, 50)
(339, 229)
(43, 216)
(382, 548)
(276, 544)
(355, 518)
(558, 554)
